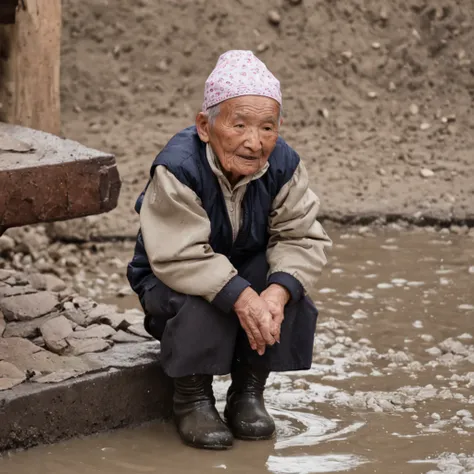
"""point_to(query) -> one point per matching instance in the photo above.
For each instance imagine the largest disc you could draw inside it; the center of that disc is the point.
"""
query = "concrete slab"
(132, 389)
(45, 178)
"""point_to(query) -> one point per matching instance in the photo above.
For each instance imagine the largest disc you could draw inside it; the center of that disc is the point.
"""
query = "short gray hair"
(213, 112)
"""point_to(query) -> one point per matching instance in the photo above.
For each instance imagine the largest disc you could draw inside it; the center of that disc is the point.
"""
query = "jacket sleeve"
(176, 230)
(295, 251)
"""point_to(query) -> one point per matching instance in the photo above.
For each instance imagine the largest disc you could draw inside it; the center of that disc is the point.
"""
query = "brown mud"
(378, 95)
(390, 389)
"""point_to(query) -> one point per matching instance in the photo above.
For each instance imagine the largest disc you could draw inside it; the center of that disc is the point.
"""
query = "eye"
(239, 125)
(268, 129)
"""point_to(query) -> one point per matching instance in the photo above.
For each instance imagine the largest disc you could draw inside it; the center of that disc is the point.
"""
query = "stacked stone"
(48, 332)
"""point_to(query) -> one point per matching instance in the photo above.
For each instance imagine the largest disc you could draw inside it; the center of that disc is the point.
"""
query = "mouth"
(248, 158)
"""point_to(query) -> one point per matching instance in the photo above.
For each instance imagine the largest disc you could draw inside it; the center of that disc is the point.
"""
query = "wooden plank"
(29, 66)
(44, 178)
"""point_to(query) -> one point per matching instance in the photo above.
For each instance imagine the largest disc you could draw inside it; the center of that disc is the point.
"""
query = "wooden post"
(29, 66)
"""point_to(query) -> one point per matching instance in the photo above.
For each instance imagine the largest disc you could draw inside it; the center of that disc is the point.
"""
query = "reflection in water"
(312, 464)
(317, 429)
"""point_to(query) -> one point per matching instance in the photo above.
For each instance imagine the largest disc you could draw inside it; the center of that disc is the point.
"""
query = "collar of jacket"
(217, 170)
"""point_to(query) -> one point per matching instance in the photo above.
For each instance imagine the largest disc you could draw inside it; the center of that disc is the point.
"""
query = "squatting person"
(228, 249)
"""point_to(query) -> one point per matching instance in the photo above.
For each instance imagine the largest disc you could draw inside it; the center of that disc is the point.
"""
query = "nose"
(252, 140)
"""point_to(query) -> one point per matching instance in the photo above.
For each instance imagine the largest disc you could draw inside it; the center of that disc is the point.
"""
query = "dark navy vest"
(185, 157)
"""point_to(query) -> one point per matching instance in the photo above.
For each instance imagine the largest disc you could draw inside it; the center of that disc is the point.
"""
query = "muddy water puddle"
(391, 389)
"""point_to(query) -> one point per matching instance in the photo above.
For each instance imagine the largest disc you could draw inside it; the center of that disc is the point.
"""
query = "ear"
(203, 126)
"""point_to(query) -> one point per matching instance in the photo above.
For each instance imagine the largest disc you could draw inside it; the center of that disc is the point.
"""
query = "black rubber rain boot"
(245, 411)
(196, 417)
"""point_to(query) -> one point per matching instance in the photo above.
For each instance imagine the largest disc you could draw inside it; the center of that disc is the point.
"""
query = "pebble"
(464, 414)
(274, 17)
(372, 95)
(6, 243)
(471, 270)
(347, 54)
(425, 126)
(414, 109)
(392, 88)
(376, 45)
(418, 324)
(426, 173)
(360, 314)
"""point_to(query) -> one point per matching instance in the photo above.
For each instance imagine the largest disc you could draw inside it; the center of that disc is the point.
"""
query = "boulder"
(28, 307)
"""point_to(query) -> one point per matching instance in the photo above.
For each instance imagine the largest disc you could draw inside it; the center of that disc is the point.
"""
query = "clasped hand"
(261, 315)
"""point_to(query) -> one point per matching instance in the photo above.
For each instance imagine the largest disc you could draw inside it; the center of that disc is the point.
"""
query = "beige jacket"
(176, 229)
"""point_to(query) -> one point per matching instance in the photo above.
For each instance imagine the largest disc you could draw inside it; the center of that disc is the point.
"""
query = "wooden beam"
(29, 66)
(7, 11)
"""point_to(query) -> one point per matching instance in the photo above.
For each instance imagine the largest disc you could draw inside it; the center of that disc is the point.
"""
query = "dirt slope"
(374, 92)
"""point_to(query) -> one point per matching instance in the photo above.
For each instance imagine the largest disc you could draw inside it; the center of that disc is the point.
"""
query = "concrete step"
(44, 178)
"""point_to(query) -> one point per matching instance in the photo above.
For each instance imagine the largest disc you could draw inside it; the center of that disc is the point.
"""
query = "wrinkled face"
(243, 135)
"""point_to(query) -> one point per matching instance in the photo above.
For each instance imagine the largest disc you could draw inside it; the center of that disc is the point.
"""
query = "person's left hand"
(276, 297)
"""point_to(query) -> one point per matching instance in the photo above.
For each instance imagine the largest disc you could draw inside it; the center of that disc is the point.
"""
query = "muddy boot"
(245, 411)
(196, 417)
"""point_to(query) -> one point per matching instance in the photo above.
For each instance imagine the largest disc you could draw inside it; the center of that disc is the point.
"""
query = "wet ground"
(391, 389)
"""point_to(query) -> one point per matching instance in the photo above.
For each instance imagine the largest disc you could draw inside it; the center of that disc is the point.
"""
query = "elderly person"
(228, 249)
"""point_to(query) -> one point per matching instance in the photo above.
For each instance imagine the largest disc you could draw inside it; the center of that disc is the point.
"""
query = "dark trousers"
(198, 338)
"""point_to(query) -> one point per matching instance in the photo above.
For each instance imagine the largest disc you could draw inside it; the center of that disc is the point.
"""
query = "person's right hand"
(256, 320)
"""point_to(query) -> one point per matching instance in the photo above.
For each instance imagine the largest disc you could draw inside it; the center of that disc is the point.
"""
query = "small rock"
(27, 329)
(101, 331)
(139, 330)
(124, 80)
(464, 414)
(360, 314)
(392, 87)
(46, 282)
(55, 331)
(78, 347)
(471, 270)
(124, 337)
(74, 314)
(262, 47)
(99, 312)
(372, 95)
(425, 126)
(376, 45)
(6, 244)
(2, 324)
(346, 54)
(10, 376)
(28, 307)
(426, 173)
(125, 291)
(274, 17)
(59, 376)
(324, 113)
(434, 351)
(414, 109)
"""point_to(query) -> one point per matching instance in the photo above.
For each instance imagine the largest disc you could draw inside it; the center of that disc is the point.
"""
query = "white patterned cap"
(239, 73)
